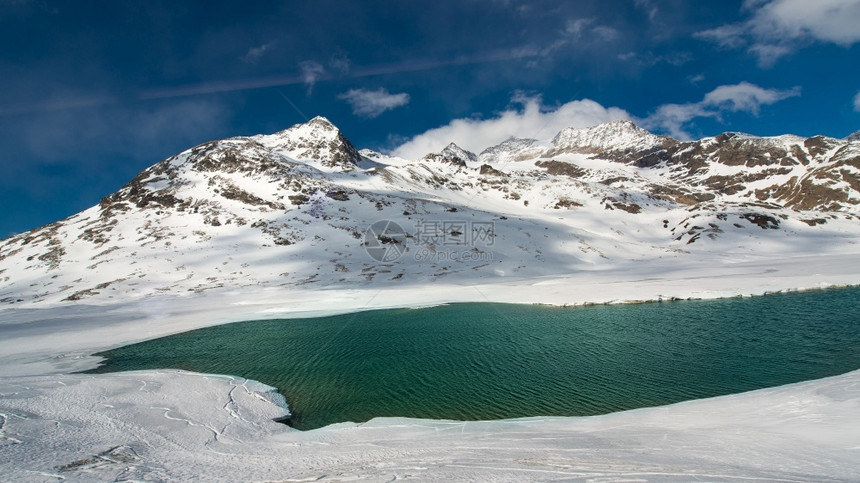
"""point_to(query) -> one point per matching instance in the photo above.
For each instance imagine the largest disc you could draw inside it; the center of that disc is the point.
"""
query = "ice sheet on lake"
(172, 425)
(177, 425)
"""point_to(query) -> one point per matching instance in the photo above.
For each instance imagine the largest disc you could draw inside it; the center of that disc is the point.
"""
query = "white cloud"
(531, 120)
(585, 29)
(857, 102)
(604, 33)
(340, 62)
(649, 59)
(768, 54)
(575, 27)
(746, 97)
(696, 78)
(648, 7)
(742, 97)
(370, 104)
(672, 118)
(778, 27)
(255, 53)
(311, 72)
(528, 118)
(827, 20)
(729, 36)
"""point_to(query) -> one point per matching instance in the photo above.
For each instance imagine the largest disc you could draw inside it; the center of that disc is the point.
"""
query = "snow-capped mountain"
(512, 149)
(452, 154)
(611, 137)
(452, 151)
(302, 207)
(317, 141)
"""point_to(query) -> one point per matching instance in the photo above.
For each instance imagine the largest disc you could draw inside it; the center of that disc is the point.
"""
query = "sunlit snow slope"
(293, 209)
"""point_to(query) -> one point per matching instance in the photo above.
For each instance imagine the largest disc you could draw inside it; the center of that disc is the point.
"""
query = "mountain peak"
(452, 154)
(454, 151)
(318, 140)
(512, 149)
(619, 135)
(616, 127)
(620, 123)
(855, 136)
(735, 135)
(322, 122)
(319, 125)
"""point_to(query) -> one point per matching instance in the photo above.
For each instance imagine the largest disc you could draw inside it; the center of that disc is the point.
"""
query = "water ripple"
(487, 361)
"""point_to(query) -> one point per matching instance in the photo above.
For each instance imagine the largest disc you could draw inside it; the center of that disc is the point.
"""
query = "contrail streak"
(222, 86)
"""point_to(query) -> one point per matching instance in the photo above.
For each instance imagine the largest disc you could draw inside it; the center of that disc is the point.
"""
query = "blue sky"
(93, 92)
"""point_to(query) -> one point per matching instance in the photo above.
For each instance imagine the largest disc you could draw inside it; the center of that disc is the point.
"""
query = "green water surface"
(488, 361)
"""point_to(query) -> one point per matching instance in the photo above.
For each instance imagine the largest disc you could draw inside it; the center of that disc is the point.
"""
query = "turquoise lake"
(489, 361)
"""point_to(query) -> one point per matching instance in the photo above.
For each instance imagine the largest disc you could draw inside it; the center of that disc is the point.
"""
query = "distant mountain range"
(303, 207)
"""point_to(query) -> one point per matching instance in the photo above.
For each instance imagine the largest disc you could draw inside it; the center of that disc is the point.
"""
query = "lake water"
(489, 361)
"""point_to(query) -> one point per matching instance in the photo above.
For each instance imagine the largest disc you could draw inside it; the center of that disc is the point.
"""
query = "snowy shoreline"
(301, 224)
(58, 338)
(177, 425)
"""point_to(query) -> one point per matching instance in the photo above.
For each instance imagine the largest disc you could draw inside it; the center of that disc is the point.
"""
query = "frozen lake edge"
(144, 424)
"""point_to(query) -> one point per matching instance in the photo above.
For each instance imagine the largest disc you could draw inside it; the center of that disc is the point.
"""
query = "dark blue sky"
(93, 92)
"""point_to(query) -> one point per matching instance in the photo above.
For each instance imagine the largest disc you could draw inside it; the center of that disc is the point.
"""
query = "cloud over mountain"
(371, 103)
(530, 120)
(741, 97)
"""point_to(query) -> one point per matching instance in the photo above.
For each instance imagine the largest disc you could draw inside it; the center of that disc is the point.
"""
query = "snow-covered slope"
(294, 208)
(178, 426)
(300, 223)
